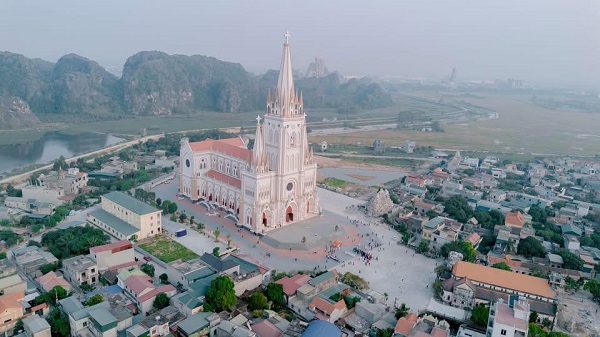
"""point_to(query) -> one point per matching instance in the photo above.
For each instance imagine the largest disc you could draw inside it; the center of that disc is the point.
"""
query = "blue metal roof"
(321, 328)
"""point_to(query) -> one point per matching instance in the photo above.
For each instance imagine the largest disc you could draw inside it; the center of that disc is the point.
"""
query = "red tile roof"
(473, 238)
(326, 306)
(113, 246)
(515, 219)
(234, 147)
(51, 280)
(503, 279)
(291, 284)
(139, 284)
(405, 324)
(152, 294)
(265, 328)
(218, 176)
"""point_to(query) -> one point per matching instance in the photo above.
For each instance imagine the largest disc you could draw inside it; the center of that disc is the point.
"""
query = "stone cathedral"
(268, 187)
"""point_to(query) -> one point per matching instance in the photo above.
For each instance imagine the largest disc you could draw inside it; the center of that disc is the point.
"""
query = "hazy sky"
(541, 41)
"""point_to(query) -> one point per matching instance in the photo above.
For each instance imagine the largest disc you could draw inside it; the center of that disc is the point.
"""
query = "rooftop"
(323, 277)
(113, 246)
(234, 147)
(80, 262)
(503, 278)
(130, 203)
(35, 323)
(506, 315)
(195, 322)
(217, 263)
(114, 222)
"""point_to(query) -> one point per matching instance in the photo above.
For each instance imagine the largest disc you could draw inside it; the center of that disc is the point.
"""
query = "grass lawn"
(334, 182)
(167, 250)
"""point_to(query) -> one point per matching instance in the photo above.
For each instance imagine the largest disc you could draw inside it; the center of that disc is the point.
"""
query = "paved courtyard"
(405, 276)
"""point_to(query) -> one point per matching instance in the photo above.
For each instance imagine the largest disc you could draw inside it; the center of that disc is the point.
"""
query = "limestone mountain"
(15, 114)
(157, 83)
(81, 86)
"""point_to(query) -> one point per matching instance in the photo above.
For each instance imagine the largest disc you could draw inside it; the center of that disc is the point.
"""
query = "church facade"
(268, 187)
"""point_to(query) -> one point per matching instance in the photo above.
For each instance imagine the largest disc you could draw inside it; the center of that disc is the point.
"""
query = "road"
(113, 148)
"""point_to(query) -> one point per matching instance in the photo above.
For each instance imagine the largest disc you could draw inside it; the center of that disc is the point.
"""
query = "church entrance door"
(289, 214)
(264, 220)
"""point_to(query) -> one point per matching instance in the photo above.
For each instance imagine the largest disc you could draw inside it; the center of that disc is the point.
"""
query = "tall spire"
(285, 83)
(258, 149)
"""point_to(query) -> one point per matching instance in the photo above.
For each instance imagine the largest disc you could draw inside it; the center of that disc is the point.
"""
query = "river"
(50, 147)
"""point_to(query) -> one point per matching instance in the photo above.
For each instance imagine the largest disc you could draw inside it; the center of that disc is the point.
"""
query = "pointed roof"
(258, 143)
(285, 83)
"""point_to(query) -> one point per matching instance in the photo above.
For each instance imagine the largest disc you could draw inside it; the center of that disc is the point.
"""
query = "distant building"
(323, 146)
(378, 146)
(514, 219)
(54, 196)
(30, 259)
(509, 319)
(71, 181)
(317, 69)
(123, 217)
(409, 146)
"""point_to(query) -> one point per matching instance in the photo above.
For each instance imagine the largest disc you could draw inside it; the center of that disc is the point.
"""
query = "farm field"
(522, 127)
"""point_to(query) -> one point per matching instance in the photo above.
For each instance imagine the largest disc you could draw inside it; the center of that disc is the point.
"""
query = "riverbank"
(109, 149)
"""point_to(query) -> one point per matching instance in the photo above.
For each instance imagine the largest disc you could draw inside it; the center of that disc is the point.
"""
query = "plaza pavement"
(405, 276)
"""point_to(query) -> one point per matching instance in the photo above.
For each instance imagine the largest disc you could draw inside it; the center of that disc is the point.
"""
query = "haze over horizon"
(540, 41)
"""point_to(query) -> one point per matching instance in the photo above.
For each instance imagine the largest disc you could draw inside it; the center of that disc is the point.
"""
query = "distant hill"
(155, 83)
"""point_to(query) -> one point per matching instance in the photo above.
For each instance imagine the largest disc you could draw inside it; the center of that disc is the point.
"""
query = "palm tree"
(228, 241)
(217, 233)
(192, 220)
(200, 226)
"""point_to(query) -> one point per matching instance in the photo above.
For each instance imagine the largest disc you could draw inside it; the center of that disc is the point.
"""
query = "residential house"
(188, 272)
(29, 259)
(497, 196)
(11, 310)
(423, 207)
(71, 181)
(51, 280)
(426, 326)
(291, 284)
(328, 310)
(113, 255)
(509, 319)
(104, 319)
(514, 219)
(159, 324)
(198, 324)
(32, 206)
(125, 217)
(474, 239)
(12, 284)
(54, 196)
(36, 326)
(81, 270)
(140, 289)
(571, 242)
(244, 274)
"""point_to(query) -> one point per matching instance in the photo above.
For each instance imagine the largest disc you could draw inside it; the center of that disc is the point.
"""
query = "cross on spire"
(258, 119)
(287, 37)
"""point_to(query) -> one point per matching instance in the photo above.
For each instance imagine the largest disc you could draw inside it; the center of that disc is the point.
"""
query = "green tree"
(501, 265)
(220, 294)
(182, 217)
(94, 300)
(530, 247)
(216, 251)
(533, 317)
(161, 301)
(192, 220)
(593, 286)
(173, 217)
(200, 226)
(48, 267)
(164, 278)
(438, 289)
(424, 246)
(148, 269)
(172, 208)
(228, 237)
(257, 301)
(480, 314)
(217, 233)
(274, 293)
(388, 332)
(458, 208)
(60, 164)
(431, 214)
(570, 260)
(59, 323)
(2, 255)
(18, 327)
(402, 311)
(536, 331)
